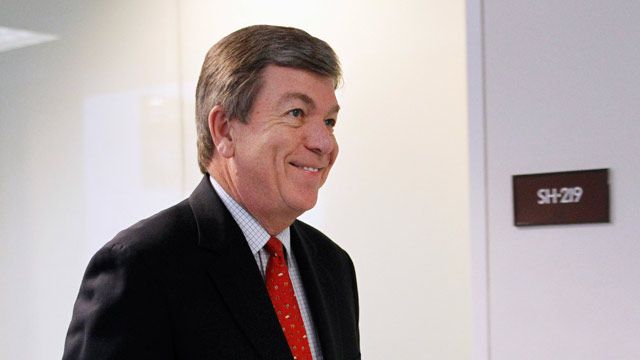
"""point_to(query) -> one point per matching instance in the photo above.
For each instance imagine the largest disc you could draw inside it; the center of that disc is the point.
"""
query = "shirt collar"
(255, 234)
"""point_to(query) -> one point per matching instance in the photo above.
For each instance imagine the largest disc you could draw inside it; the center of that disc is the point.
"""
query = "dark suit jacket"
(184, 284)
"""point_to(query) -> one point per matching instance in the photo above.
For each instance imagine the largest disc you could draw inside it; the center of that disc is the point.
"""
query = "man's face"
(284, 153)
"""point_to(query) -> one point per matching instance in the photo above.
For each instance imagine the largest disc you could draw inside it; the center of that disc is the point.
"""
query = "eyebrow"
(307, 100)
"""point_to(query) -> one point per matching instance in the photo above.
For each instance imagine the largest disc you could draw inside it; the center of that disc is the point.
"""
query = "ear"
(219, 128)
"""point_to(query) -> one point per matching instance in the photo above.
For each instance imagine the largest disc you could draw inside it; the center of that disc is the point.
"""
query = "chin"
(303, 204)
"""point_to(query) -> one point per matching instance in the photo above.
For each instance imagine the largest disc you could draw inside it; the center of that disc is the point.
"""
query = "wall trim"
(478, 229)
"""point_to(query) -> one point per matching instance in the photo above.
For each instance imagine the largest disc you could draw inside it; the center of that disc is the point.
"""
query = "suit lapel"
(320, 291)
(234, 272)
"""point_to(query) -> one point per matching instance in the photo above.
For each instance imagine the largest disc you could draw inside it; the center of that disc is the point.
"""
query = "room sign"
(570, 197)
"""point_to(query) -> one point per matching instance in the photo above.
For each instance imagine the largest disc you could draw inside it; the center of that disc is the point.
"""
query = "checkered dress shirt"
(257, 238)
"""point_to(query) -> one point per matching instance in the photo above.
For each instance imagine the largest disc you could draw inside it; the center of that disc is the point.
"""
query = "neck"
(272, 222)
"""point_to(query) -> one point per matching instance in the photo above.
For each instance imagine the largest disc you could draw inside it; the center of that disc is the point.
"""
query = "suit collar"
(232, 264)
(216, 227)
(320, 291)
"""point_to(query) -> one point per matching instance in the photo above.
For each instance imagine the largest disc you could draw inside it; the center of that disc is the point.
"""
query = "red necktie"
(284, 301)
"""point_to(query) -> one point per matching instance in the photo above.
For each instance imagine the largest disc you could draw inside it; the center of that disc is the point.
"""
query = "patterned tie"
(284, 301)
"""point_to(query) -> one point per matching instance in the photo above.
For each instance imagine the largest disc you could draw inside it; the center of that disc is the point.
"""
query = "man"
(230, 273)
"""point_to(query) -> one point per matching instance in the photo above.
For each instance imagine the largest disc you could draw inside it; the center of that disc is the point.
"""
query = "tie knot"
(274, 247)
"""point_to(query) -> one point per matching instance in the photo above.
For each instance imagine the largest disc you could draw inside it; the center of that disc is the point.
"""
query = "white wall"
(75, 164)
(97, 132)
(562, 91)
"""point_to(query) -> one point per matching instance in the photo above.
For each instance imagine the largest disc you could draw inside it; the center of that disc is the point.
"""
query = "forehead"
(284, 84)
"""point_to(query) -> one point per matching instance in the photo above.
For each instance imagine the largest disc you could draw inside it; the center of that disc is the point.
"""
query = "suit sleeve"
(356, 307)
(120, 311)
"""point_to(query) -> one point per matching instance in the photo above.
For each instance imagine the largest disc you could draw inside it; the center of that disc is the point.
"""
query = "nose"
(319, 138)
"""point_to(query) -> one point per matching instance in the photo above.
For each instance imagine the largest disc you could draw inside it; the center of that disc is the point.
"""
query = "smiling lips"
(307, 168)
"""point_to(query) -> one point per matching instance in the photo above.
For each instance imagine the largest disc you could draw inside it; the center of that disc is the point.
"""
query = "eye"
(296, 112)
(330, 122)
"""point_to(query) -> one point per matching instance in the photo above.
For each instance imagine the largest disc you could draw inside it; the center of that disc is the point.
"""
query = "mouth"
(310, 169)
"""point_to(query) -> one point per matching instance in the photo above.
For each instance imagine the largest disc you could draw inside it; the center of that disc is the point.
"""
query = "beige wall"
(97, 132)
